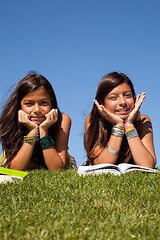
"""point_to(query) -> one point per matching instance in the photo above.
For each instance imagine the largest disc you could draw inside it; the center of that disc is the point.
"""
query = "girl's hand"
(51, 118)
(110, 117)
(23, 118)
(139, 100)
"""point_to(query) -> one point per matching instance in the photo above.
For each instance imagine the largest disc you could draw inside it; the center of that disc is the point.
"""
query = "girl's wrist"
(46, 142)
(130, 130)
(31, 139)
(119, 124)
(128, 125)
(43, 132)
(117, 131)
(33, 132)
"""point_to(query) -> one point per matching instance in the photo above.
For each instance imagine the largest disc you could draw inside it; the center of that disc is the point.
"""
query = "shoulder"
(66, 120)
(145, 122)
(87, 121)
(65, 125)
(65, 117)
(145, 118)
(144, 125)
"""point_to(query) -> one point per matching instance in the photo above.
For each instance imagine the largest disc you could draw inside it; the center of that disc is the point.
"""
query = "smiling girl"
(34, 133)
(115, 132)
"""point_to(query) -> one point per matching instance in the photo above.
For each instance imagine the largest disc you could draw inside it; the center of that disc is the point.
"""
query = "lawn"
(63, 205)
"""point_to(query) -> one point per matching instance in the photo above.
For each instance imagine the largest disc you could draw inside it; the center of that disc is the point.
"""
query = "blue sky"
(74, 44)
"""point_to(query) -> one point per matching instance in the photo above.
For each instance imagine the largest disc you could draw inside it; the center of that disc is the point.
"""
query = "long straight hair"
(11, 130)
(99, 130)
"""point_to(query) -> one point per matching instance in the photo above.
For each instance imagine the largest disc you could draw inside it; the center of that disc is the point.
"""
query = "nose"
(122, 101)
(37, 108)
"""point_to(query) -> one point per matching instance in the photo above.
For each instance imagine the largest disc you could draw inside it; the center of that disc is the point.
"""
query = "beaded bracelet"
(128, 127)
(46, 142)
(31, 139)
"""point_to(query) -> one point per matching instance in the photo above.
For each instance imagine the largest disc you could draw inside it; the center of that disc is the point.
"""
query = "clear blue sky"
(74, 44)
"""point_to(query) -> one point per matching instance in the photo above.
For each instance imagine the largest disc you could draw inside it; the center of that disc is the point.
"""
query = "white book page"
(126, 167)
(98, 169)
(115, 169)
(8, 178)
(5, 178)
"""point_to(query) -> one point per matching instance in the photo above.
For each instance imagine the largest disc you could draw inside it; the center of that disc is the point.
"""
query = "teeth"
(122, 110)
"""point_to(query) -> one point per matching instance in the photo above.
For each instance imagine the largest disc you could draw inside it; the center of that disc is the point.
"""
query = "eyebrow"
(128, 91)
(45, 98)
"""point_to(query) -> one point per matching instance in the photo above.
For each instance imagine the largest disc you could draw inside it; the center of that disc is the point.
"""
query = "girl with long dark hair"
(34, 133)
(115, 132)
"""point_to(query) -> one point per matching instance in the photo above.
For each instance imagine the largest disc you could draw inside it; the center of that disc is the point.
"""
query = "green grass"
(63, 205)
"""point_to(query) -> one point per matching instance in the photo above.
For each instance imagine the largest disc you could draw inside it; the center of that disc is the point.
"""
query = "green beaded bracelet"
(46, 142)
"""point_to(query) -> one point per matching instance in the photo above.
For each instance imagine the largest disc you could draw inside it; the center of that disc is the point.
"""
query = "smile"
(37, 118)
(123, 111)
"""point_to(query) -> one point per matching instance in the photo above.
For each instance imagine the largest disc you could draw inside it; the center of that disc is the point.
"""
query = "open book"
(11, 175)
(115, 169)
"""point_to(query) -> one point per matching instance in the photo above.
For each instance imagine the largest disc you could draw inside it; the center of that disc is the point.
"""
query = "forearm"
(141, 144)
(22, 159)
(106, 156)
(54, 152)
(140, 153)
(52, 159)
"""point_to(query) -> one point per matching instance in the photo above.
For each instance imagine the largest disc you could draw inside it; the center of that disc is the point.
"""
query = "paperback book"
(111, 168)
(10, 175)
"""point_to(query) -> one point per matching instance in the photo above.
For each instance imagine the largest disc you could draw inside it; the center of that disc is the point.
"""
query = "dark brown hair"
(99, 130)
(11, 130)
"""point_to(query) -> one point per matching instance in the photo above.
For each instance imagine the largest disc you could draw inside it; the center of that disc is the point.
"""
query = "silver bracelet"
(117, 134)
(111, 150)
(117, 131)
(118, 127)
(131, 134)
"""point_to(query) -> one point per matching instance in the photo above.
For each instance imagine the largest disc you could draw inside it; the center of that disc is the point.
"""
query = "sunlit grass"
(63, 205)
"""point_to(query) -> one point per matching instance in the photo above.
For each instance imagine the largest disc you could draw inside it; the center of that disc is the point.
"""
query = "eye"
(113, 98)
(44, 103)
(28, 104)
(128, 95)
